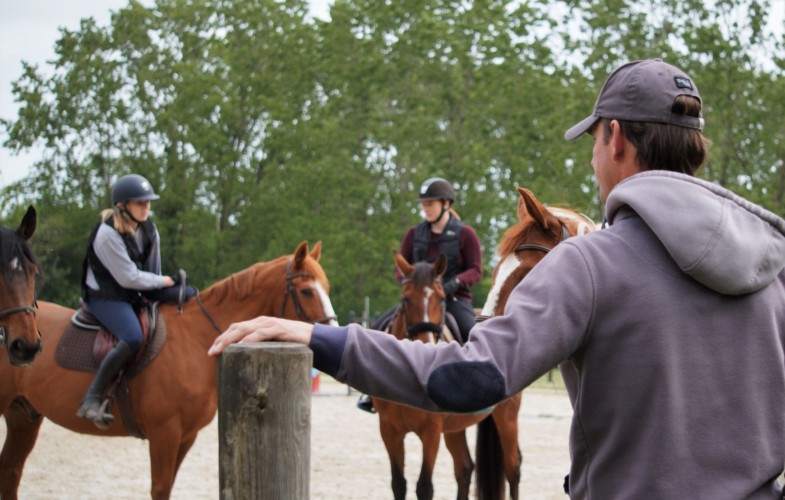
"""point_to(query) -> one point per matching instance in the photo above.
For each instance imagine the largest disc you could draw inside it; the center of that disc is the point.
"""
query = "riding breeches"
(463, 313)
(119, 318)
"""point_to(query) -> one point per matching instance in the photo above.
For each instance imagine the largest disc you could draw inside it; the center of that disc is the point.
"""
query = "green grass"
(550, 382)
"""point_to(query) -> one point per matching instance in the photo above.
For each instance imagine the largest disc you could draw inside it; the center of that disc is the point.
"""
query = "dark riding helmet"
(132, 187)
(437, 188)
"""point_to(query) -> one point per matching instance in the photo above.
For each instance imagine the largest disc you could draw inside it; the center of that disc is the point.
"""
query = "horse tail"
(490, 461)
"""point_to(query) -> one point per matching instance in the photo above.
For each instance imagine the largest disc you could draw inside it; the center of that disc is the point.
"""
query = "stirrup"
(100, 417)
(104, 419)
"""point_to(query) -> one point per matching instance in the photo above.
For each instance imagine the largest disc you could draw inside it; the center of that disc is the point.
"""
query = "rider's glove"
(451, 287)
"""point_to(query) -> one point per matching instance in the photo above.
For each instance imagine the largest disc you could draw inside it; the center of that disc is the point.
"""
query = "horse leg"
(185, 445)
(165, 444)
(22, 426)
(461, 461)
(393, 441)
(507, 427)
(431, 439)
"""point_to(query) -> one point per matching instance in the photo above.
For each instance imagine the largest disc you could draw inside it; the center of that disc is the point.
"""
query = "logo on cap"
(683, 82)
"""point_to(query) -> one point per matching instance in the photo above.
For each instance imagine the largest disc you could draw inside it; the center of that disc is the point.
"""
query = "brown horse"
(538, 231)
(175, 396)
(18, 271)
(421, 317)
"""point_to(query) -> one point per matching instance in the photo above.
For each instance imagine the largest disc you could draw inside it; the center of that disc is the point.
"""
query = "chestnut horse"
(538, 230)
(176, 395)
(421, 317)
(18, 271)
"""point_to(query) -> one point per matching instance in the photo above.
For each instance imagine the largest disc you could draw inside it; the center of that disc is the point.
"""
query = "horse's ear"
(300, 254)
(529, 204)
(403, 264)
(316, 252)
(440, 265)
(27, 227)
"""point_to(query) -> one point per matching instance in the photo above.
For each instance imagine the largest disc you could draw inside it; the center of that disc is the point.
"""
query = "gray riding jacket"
(668, 327)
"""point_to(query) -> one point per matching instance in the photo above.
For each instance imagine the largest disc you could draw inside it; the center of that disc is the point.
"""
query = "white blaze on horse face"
(507, 267)
(15, 264)
(426, 298)
(326, 304)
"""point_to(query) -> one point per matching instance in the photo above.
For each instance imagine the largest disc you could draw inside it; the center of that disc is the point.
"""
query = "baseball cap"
(642, 91)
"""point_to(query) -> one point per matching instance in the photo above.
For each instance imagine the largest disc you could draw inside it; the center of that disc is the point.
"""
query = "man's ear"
(618, 141)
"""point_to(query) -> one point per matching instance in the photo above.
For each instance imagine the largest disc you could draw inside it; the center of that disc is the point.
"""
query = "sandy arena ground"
(348, 459)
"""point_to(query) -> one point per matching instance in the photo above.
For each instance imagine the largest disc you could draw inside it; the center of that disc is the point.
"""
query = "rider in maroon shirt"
(442, 232)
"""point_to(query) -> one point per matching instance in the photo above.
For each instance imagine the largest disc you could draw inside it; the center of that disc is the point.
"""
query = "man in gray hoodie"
(668, 325)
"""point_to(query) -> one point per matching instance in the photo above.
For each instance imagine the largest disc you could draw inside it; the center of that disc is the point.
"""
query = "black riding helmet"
(132, 187)
(437, 188)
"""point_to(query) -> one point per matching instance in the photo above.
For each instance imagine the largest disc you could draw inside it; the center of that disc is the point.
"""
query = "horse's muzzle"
(423, 327)
(20, 352)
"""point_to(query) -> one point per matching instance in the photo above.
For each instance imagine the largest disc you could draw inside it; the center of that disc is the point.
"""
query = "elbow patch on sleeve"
(466, 387)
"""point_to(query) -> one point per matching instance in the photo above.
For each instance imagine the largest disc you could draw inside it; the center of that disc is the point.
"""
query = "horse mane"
(243, 283)
(515, 234)
(236, 286)
(13, 246)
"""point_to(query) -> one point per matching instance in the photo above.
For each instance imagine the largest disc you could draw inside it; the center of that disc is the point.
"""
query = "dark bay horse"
(176, 395)
(421, 317)
(19, 337)
(538, 230)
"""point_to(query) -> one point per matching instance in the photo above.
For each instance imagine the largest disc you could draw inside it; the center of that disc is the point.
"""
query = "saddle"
(85, 343)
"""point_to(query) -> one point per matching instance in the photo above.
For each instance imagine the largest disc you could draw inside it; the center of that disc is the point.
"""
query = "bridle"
(14, 310)
(536, 247)
(542, 248)
(423, 326)
(291, 291)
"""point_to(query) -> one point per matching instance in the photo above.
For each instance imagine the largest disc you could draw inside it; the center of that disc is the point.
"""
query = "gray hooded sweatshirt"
(668, 327)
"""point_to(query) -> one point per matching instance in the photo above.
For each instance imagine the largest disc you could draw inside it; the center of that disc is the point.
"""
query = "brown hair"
(663, 146)
(122, 223)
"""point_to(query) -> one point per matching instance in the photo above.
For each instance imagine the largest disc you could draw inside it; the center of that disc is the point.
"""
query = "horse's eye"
(307, 292)
(406, 301)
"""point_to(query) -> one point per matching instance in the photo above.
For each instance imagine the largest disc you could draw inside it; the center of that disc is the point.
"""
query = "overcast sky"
(29, 29)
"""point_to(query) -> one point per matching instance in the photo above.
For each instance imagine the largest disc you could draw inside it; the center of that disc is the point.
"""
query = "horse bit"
(291, 290)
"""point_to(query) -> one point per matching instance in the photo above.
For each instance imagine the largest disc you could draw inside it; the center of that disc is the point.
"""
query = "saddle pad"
(75, 349)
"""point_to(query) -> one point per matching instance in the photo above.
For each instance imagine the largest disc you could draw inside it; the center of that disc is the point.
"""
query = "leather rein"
(290, 290)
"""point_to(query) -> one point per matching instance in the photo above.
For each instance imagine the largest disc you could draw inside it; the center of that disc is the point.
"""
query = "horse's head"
(307, 290)
(538, 231)
(422, 312)
(19, 268)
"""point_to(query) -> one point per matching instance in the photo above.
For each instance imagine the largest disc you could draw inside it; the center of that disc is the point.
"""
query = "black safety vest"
(449, 245)
(109, 287)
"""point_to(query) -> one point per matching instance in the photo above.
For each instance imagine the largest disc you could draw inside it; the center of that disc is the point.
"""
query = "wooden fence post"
(264, 421)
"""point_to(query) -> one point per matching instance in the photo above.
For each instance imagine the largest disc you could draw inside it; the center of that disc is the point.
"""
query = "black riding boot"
(365, 403)
(110, 366)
